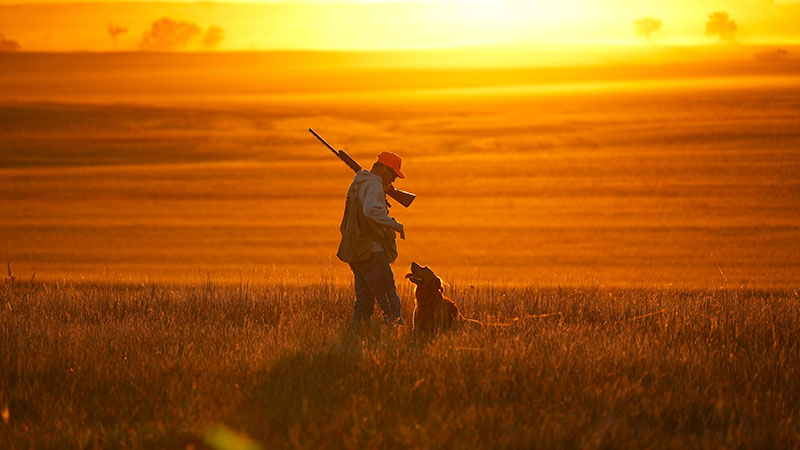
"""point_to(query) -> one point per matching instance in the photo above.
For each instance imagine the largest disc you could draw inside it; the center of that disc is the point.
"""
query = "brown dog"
(433, 311)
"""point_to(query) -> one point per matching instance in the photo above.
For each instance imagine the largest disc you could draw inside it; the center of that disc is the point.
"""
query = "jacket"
(366, 226)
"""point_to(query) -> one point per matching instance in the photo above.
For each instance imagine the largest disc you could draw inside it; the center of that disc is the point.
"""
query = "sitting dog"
(433, 310)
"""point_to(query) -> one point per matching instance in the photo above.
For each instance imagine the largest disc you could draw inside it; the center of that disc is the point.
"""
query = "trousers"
(374, 281)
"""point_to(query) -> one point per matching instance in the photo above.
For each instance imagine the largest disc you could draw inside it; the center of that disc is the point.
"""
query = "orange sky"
(370, 25)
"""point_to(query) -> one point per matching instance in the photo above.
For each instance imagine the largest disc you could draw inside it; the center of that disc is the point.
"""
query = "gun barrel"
(323, 141)
(341, 154)
(403, 197)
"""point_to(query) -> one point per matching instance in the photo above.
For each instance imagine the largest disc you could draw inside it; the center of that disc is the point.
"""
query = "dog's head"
(424, 277)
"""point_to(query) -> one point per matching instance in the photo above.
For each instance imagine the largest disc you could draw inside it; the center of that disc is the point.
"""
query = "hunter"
(368, 240)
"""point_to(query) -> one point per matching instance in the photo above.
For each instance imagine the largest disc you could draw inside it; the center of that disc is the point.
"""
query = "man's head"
(388, 167)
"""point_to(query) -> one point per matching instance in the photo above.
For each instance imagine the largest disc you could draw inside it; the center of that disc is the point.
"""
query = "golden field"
(164, 366)
(681, 176)
(628, 234)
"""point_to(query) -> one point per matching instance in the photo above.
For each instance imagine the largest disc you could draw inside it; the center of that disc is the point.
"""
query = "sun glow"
(391, 24)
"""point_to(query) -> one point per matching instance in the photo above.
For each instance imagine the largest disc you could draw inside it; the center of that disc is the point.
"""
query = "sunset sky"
(45, 25)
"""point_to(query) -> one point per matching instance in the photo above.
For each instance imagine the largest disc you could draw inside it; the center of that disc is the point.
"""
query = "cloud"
(646, 26)
(169, 34)
(777, 55)
(213, 36)
(719, 24)
(8, 45)
(114, 31)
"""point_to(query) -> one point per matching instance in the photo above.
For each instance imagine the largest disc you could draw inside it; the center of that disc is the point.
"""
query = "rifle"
(402, 197)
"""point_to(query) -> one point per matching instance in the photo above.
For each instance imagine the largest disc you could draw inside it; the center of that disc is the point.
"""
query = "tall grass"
(139, 366)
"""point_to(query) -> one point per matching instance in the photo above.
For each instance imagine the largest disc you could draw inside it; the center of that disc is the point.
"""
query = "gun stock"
(402, 197)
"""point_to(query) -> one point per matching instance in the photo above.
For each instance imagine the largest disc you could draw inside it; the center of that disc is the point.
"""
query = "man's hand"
(402, 230)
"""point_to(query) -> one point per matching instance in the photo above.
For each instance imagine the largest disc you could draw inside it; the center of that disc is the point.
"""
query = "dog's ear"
(438, 284)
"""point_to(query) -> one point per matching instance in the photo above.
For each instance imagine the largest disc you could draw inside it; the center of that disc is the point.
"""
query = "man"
(368, 240)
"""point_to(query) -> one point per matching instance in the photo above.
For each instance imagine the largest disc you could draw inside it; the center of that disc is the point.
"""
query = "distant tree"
(776, 55)
(720, 24)
(8, 45)
(646, 26)
(114, 31)
(213, 36)
(169, 34)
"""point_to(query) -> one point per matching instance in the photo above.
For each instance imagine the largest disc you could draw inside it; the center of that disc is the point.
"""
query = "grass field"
(163, 366)
(629, 234)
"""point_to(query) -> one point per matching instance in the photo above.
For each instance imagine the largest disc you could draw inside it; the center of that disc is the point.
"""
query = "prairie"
(670, 186)
(629, 234)
(166, 366)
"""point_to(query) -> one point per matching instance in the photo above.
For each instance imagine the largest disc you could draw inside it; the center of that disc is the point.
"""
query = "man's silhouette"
(368, 240)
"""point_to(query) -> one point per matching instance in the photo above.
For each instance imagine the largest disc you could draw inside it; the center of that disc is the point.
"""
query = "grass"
(158, 365)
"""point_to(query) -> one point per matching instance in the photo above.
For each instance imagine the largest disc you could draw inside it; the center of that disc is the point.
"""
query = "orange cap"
(391, 160)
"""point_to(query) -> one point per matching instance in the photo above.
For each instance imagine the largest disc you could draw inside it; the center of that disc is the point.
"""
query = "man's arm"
(374, 202)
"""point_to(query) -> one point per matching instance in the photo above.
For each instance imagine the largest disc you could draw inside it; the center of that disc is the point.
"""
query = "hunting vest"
(359, 232)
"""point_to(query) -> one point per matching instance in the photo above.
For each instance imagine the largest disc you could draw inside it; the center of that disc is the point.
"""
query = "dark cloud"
(8, 45)
(720, 24)
(114, 31)
(646, 26)
(777, 55)
(213, 36)
(169, 34)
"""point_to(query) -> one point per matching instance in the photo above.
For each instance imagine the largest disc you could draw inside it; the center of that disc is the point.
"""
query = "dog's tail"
(517, 320)
(471, 322)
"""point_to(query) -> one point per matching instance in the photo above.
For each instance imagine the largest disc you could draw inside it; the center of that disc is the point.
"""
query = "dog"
(433, 310)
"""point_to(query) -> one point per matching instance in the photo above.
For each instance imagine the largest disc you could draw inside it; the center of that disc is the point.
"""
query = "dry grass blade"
(10, 278)
(645, 316)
